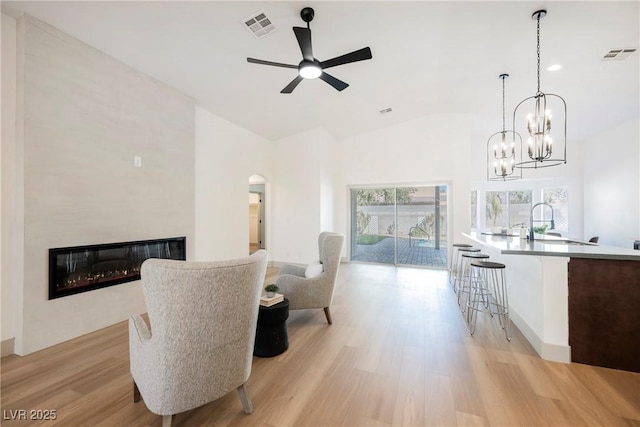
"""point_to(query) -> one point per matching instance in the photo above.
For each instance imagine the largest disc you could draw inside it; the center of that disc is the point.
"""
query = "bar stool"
(467, 279)
(491, 288)
(454, 258)
(457, 266)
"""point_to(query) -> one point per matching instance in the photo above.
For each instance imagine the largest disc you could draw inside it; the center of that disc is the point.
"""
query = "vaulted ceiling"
(428, 58)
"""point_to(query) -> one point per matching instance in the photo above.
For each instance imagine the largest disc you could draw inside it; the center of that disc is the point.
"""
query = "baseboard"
(556, 353)
(547, 351)
(7, 347)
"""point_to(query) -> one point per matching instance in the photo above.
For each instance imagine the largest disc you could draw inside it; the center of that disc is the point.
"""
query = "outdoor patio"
(420, 253)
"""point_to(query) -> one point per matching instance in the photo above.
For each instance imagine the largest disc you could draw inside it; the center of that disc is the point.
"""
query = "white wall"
(81, 118)
(330, 156)
(7, 179)
(226, 156)
(612, 185)
(300, 181)
(429, 150)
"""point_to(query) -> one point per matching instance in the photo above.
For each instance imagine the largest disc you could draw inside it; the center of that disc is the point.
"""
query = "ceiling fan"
(310, 67)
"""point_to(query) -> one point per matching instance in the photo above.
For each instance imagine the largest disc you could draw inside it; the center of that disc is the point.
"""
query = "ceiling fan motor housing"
(307, 14)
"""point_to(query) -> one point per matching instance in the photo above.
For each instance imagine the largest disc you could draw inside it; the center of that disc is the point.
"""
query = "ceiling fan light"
(310, 71)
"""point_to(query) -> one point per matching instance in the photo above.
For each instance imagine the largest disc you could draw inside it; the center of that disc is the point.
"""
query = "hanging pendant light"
(504, 150)
(544, 147)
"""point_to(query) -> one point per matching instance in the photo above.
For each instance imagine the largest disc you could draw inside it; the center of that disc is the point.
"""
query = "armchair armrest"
(138, 328)
(140, 346)
(305, 293)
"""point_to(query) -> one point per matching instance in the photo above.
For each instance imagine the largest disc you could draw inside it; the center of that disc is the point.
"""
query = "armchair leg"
(166, 420)
(136, 393)
(245, 399)
(327, 313)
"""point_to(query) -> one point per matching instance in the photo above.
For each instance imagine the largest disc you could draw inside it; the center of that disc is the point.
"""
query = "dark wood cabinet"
(604, 313)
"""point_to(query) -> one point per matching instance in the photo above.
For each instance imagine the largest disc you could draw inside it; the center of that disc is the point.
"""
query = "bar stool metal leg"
(457, 277)
(502, 300)
(466, 278)
(453, 260)
(490, 289)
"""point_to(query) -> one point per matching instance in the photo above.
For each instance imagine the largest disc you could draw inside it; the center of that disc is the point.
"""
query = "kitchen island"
(572, 300)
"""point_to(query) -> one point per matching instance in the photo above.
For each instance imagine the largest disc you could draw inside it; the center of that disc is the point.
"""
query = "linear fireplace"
(84, 268)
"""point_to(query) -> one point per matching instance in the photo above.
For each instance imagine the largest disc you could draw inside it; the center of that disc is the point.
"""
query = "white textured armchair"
(314, 292)
(203, 323)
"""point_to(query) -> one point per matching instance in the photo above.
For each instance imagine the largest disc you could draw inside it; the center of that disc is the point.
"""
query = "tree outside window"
(508, 209)
(496, 202)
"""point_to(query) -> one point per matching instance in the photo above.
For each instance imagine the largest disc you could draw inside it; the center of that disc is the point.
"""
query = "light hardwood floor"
(398, 353)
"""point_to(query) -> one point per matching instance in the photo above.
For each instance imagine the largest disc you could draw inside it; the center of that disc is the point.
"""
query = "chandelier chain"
(538, 47)
(503, 113)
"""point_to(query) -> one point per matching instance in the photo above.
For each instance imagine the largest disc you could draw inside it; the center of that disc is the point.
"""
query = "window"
(519, 208)
(510, 206)
(558, 198)
(495, 212)
(507, 209)
(474, 209)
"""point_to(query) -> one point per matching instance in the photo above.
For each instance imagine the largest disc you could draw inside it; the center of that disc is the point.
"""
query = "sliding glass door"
(373, 225)
(400, 225)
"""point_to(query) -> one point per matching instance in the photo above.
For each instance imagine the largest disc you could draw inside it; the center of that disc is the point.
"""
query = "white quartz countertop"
(553, 246)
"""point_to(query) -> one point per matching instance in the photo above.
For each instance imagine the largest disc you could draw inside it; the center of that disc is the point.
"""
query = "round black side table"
(271, 333)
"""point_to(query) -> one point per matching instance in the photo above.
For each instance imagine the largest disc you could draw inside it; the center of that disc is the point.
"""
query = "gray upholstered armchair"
(314, 292)
(203, 323)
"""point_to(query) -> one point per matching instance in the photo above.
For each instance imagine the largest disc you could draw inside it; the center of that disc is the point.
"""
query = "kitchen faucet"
(531, 221)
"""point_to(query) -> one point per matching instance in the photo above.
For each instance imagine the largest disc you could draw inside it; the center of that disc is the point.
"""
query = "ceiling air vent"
(386, 110)
(618, 54)
(258, 24)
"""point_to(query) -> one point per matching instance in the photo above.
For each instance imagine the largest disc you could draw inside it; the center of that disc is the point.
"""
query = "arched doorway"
(257, 213)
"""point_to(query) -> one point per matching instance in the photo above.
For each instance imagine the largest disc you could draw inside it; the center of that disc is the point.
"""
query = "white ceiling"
(428, 58)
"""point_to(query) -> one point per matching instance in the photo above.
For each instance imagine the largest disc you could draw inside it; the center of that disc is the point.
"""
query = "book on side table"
(269, 301)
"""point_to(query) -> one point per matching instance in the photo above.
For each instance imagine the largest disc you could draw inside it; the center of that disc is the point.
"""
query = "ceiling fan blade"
(275, 64)
(304, 41)
(336, 83)
(291, 86)
(357, 55)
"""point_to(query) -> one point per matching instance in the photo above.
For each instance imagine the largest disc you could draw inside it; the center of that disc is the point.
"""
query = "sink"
(565, 242)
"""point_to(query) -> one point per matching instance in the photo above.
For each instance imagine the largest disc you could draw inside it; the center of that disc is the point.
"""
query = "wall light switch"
(137, 161)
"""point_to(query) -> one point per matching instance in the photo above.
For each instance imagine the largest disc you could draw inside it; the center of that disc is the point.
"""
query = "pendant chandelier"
(504, 150)
(544, 147)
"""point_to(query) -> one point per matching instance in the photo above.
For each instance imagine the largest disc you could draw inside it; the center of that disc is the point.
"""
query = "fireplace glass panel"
(83, 268)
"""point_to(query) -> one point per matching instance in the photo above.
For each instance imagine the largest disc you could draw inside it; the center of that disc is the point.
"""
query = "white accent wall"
(82, 116)
(612, 185)
(226, 156)
(7, 181)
